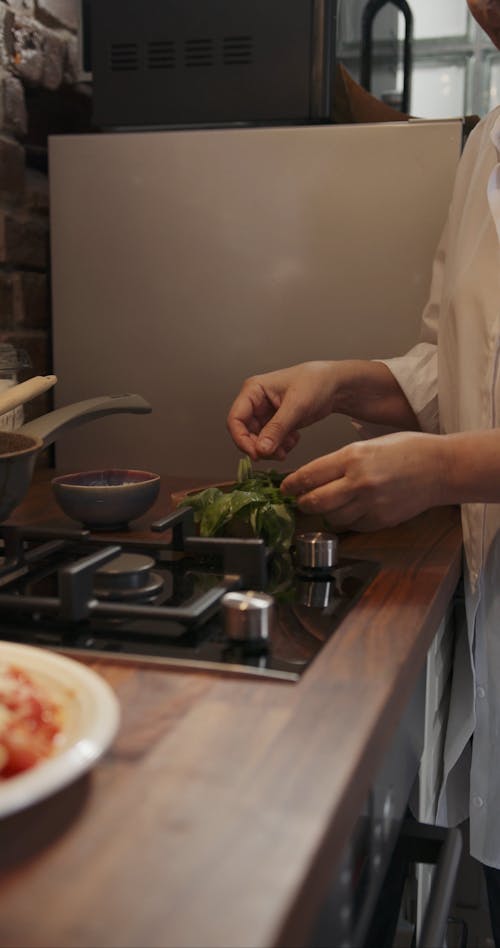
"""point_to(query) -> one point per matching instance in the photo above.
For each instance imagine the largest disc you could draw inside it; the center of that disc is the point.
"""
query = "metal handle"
(438, 908)
(370, 11)
(324, 29)
(49, 426)
(423, 843)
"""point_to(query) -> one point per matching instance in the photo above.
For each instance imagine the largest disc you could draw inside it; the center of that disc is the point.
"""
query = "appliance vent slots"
(237, 50)
(199, 52)
(124, 57)
(161, 54)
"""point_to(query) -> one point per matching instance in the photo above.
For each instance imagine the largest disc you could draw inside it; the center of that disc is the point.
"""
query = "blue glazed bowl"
(107, 499)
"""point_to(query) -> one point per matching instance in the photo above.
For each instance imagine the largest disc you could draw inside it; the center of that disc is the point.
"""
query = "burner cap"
(128, 576)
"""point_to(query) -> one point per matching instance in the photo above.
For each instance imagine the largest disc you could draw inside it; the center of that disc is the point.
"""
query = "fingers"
(322, 487)
(248, 442)
(354, 488)
(336, 500)
(260, 425)
(291, 441)
(315, 476)
(333, 499)
(280, 452)
(281, 429)
(244, 440)
(249, 412)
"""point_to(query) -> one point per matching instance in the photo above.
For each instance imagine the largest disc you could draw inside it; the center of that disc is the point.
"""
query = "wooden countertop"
(219, 813)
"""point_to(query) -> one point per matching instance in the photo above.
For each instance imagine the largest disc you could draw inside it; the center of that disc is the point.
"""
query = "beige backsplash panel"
(184, 261)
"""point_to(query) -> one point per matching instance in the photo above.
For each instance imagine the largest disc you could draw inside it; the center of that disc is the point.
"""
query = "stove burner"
(163, 602)
(129, 576)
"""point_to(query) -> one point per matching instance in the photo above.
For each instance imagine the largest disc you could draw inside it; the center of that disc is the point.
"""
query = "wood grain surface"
(223, 807)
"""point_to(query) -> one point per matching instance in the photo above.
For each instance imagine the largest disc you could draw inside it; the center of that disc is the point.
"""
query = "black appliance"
(218, 604)
(161, 63)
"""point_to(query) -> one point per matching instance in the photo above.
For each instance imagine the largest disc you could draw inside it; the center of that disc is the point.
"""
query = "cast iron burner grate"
(78, 593)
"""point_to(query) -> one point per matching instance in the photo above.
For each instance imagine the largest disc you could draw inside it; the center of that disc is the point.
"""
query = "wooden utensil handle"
(25, 391)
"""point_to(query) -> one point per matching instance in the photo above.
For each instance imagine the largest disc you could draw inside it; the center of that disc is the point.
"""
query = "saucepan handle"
(48, 427)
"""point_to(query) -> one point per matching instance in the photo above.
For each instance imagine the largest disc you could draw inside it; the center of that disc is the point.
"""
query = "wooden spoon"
(25, 391)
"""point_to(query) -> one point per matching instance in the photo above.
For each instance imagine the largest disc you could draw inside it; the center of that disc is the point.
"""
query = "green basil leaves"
(254, 507)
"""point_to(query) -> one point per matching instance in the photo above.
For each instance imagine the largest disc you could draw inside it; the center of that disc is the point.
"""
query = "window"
(448, 18)
(456, 68)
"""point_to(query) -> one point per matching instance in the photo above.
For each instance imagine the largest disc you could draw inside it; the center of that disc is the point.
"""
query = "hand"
(266, 415)
(372, 484)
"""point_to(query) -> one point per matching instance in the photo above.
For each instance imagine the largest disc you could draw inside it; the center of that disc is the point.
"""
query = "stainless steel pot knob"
(248, 616)
(316, 550)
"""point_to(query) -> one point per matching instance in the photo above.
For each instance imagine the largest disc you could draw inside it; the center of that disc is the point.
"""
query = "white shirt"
(452, 381)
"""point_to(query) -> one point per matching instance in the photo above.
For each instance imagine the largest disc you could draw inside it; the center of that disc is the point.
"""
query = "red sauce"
(29, 722)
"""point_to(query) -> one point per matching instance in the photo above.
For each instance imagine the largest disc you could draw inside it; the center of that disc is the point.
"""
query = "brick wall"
(39, 95)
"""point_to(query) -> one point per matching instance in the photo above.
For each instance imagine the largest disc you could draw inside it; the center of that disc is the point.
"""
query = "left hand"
(367, 485)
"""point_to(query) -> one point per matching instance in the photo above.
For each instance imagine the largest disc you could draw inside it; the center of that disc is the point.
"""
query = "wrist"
(347, 381)
(470, 467)
(368, 391)
(444, 464)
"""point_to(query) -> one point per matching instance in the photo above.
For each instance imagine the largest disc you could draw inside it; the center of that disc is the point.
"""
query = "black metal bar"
(324, 29)
(44, 604)
(47, 533)
(372, 8)
(431, 845)
(18, 557)
(78, 602)
(247, 558)
(421, 842)
(13, 548)
(75, 582)
(181, 522)
(436, 916)
(203, 607)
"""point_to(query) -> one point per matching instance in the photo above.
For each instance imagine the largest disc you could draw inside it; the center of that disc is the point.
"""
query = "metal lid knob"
(316, 550)
(248, 616)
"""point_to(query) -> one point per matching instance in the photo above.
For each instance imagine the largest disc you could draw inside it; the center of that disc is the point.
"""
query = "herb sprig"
(254, 507)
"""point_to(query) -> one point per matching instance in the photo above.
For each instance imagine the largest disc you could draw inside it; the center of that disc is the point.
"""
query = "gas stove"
(216, 604)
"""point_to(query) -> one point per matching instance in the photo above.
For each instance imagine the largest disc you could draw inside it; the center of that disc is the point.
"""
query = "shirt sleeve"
(417, 371)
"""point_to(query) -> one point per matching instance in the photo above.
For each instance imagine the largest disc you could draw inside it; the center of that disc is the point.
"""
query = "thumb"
(274, 434)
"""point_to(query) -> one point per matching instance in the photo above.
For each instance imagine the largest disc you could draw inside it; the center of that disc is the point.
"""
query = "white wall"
(184, 261)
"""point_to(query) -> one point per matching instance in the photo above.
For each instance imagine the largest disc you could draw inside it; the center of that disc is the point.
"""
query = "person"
(443, 399)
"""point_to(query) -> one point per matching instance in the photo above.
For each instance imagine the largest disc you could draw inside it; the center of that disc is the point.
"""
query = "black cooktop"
(84, 595)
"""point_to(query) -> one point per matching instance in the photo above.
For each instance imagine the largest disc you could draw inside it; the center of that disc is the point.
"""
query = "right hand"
(265, 418)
